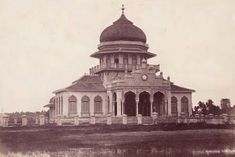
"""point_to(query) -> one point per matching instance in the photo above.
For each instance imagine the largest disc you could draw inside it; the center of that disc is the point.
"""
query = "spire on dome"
(123, 8)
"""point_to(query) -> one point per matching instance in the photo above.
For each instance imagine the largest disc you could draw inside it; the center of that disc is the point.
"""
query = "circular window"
(144, 77)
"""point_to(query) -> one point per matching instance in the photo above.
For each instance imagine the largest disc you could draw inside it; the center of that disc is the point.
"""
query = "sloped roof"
(87, 83)
(89, 78)
(175, 88)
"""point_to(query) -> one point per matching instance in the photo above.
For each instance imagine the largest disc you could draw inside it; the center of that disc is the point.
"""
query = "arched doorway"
(115, 103)
(130, 104)
(158, 103)
(144, 104)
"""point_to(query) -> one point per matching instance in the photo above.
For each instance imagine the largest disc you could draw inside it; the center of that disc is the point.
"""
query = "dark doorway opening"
(115, 103)
(144, 107)
(158, 103)
(130, 104)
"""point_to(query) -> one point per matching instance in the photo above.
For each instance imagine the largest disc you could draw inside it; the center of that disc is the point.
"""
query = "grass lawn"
(59, 138)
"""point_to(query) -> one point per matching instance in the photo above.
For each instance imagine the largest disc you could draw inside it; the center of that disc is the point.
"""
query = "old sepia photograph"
(117, 78)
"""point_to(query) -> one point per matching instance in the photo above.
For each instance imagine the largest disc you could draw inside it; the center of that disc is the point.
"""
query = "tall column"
(190, 105)
(137, 105)
(111, 104)
(120, 58)
(119, 99)
(129, 59)
(112, 59)
(151, 104)
(123, 103)
(165, 106)
(113, 108)
(66, 103)
(91, 106)
(179, 105)
(169, 103)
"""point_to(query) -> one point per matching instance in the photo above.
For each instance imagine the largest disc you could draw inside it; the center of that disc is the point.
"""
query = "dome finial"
(123, 8)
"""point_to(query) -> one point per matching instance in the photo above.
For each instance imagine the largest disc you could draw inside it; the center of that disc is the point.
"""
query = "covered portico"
(136, 101)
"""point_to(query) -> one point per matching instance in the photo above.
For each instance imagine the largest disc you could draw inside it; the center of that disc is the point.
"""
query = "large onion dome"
(122, 30)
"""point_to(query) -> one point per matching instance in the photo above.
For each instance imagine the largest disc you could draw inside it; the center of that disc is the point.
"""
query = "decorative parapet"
(122, 67)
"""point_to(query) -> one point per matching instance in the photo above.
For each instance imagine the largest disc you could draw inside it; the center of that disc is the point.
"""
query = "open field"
(62, 138)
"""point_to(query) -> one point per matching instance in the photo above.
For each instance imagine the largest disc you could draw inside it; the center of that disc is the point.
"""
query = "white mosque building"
(123, 83)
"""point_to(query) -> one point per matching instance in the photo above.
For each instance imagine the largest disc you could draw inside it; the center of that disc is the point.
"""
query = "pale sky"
(45, 45)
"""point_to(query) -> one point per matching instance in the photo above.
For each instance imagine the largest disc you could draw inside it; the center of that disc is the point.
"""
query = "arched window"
(184, 104)
(98, 104)
(173, 105)
(85, 105)
(72, 108)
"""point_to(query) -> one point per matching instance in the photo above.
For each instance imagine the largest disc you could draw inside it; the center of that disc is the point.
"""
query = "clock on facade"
(144, 77)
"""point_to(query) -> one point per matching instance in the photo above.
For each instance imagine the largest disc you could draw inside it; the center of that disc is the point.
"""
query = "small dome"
(122, 29)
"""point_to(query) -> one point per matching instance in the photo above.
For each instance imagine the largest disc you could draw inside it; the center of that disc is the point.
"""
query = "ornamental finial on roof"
(123, 8)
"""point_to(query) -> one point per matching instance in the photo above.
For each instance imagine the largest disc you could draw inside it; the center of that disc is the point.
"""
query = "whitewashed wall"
(179, 96)
(79, 95)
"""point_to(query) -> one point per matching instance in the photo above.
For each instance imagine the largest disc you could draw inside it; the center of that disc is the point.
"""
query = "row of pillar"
(120, 107)
(39, 120)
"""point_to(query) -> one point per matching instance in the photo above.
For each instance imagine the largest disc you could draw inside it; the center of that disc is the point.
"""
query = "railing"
(223, 119)
(121, 67)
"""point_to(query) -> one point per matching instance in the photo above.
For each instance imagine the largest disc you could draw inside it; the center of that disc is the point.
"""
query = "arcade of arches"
(141, 104)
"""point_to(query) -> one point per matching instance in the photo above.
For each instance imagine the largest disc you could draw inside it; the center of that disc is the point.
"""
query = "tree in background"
(207, 108)
(211, 108)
